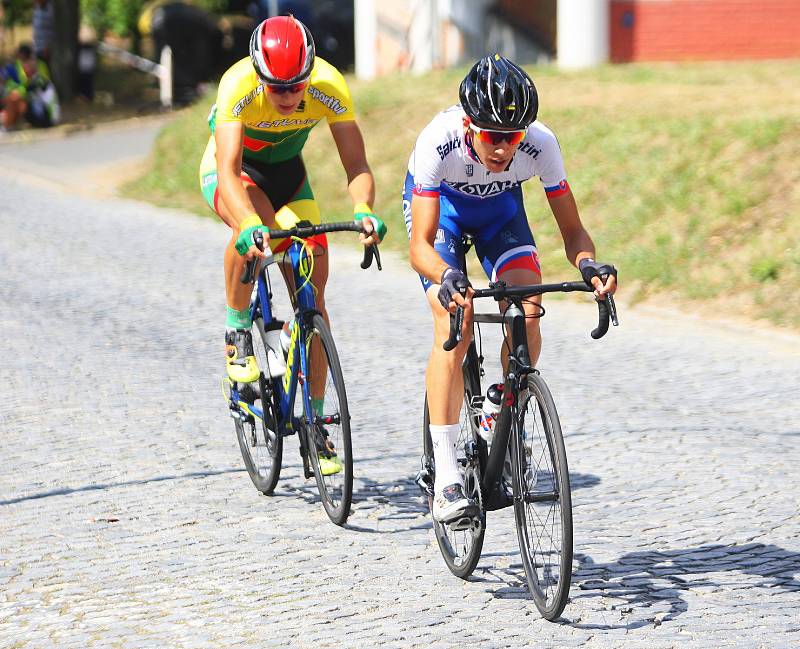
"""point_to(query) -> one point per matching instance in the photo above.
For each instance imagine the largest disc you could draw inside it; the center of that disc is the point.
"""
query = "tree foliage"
(120, 16)
(16, 12)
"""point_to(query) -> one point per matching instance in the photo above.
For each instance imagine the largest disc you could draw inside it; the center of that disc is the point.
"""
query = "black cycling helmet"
(497, 92)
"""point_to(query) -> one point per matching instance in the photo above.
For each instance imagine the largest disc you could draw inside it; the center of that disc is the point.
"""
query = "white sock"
(444, 440)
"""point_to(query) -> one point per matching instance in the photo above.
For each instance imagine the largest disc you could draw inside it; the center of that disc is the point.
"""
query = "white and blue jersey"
(473, 200)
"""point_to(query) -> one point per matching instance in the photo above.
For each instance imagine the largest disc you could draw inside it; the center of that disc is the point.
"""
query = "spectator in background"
(28, 92)
(43, 28)
(87, 62)
(194, 38)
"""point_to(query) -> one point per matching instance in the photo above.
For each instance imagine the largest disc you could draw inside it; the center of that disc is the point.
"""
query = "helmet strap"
(468, 137)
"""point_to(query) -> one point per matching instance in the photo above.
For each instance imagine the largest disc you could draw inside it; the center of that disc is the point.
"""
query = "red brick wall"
(675, 30)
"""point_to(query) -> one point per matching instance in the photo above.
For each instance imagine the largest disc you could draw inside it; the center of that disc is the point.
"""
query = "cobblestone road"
(126, 519)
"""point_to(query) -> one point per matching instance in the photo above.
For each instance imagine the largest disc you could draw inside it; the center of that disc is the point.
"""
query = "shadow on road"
(65, 491)
(653, 585)
(399, 506)
(644, 579)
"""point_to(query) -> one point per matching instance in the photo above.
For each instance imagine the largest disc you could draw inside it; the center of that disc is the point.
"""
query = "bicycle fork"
(513, 390)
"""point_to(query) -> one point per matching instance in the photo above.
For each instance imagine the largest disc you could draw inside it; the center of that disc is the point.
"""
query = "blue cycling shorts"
(498, 227)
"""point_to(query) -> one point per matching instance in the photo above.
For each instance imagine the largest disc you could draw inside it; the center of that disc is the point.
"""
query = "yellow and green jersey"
(268, 135)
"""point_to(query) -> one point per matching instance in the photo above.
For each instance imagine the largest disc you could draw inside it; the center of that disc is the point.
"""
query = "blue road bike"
(267, 411)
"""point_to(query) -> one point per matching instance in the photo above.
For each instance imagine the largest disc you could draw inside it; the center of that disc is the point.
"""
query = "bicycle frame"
(518, 369)
(297, 358)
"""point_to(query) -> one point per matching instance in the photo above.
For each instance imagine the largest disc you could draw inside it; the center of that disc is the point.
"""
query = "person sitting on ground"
(29, 93)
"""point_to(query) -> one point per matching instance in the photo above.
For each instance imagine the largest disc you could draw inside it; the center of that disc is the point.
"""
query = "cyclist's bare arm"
(353, 154)
(229, 138)
(577, 242)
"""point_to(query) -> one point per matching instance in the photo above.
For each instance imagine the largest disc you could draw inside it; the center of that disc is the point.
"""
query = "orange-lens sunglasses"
(496, 137)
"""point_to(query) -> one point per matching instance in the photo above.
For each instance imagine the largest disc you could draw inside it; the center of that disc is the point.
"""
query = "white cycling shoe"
(451, 504)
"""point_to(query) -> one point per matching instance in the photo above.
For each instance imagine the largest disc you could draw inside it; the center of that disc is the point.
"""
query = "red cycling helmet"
(282, 50)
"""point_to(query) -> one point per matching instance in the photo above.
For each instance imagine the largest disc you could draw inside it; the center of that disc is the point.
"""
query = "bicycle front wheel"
(328, 434)
(259, 441)
(542, 499)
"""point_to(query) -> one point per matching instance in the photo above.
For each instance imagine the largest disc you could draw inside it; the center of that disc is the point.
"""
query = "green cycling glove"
(364, 211)
(246, 230)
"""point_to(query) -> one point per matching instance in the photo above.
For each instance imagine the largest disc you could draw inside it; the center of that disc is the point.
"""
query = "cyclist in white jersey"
(465, 176)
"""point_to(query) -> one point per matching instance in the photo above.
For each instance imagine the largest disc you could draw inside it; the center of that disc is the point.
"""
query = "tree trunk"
(64, 58)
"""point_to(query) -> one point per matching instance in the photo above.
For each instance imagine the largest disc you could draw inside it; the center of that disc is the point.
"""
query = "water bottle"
(276, 361)
(286, 337)
(491, 407)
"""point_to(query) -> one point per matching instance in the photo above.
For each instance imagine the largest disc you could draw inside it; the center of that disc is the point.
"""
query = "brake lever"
(456, 322)
(249, 273)
(612, 309)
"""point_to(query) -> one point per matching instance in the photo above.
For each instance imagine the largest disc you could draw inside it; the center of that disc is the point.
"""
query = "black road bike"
(528, 429)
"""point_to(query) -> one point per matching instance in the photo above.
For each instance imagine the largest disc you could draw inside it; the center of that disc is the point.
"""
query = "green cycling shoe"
(239, 357)
(329, 462)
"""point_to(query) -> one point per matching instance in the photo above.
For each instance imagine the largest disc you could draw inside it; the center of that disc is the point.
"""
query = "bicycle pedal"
(425, 482)
(463, 523)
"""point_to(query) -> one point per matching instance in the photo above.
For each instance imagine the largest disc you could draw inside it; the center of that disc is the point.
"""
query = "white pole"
(421, 36)
(165, 77)
(366, 27)
(582, 33)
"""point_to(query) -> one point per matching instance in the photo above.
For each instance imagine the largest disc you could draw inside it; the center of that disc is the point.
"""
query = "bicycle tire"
(542, 499)
(336, 490)
(262, 454)
(461, 549)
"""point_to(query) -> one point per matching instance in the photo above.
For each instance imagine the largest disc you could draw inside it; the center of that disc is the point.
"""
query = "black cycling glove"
(453, 281)
(590, 268)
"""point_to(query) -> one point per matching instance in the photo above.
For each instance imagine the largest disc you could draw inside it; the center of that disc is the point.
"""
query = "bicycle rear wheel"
(261, 444)
(329, 434)
(461, 547)
(542, 499)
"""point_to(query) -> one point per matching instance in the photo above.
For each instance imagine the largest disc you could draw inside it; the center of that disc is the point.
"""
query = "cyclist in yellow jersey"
(252, 174)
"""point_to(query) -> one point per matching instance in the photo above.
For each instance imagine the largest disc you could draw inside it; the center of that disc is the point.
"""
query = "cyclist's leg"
(508, 252)
(240, 359)
(443, 378)
(304, 208)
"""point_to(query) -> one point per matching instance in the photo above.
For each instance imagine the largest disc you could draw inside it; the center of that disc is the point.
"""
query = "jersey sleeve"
(330, 89)
(426, 165)
(552, 172)
(233, 95)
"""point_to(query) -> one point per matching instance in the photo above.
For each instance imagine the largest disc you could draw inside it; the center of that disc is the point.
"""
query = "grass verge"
(686, 175)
